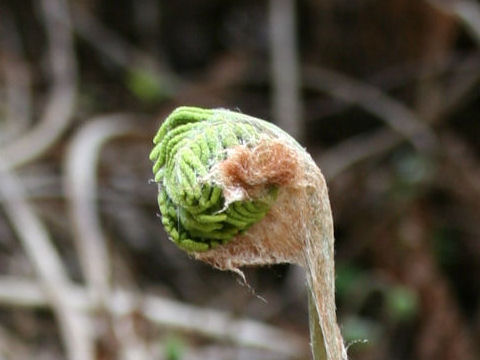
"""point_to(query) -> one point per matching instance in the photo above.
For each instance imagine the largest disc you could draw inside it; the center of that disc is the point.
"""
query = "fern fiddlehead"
(236, 190)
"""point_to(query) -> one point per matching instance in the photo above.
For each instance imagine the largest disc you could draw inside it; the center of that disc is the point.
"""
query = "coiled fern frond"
(235, 190)
(188, 145)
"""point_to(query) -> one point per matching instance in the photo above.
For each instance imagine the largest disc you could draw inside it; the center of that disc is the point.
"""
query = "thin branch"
(81, 188)
(17, 84)
(119, 51)
(17, 79)
(464, 81)
(393, 113)
(11, 347)
(80, 183)
(47, 264)
(287, 107)
(353, 150)
(164, 312)
(467, 11)
(462, 72)
(222, 325)
(61, 98)
(222, 352)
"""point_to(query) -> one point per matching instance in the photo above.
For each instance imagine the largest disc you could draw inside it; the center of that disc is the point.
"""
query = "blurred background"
(385, 95)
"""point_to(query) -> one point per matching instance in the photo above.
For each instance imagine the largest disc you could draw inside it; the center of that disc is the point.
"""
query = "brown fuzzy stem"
(319, 263)
(297, 229)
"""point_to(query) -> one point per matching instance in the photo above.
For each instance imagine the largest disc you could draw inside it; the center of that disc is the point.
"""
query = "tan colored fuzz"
(251, 171)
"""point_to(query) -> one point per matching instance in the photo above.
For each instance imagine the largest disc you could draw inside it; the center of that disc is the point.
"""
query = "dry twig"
(468, 11)
(17, 79)
(394, 114)
(119, 51)
(47, 264)
(210, 323)
(81, 189)
(60, 102)
(351, 151)
(285, 69)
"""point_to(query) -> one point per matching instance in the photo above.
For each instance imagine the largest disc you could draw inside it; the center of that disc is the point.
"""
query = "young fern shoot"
(234, 190)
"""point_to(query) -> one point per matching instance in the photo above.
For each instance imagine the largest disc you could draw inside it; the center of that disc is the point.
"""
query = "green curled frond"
(190, 142)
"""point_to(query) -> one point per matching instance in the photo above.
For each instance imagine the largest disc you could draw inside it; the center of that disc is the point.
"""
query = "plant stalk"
(317, 341)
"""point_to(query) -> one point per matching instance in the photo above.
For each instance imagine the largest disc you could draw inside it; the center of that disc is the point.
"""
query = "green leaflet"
(188, 144)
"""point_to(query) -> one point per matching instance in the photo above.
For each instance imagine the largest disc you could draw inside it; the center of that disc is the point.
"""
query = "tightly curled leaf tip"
(188, 149)
(243, 187)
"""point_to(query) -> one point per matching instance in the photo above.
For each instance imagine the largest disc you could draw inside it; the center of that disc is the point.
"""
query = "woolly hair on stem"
(234, 190)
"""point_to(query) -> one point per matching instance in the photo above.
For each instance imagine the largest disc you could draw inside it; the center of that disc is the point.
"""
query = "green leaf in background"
(174, 348)
(146, 85)
(401, 303)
